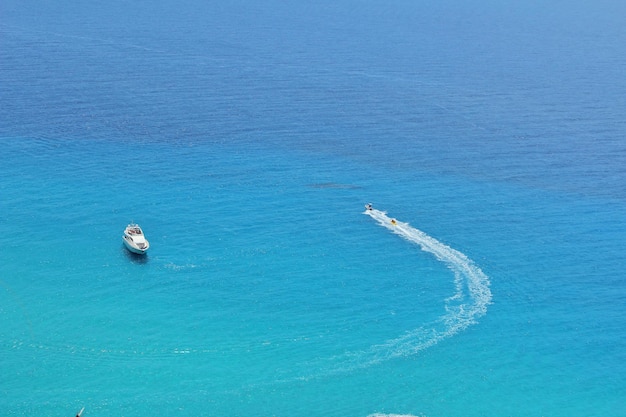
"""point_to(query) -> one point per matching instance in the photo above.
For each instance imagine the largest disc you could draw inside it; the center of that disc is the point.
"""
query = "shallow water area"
(245, 141)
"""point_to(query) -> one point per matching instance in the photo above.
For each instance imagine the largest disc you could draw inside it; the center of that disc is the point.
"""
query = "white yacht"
(134, 239)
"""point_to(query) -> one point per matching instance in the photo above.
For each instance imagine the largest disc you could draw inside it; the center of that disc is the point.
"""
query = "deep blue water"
(245, 138)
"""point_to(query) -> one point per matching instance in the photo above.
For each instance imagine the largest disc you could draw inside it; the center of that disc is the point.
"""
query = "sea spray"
(469, 301)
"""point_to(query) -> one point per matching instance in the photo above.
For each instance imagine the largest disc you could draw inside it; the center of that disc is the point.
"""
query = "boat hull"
(132, 248)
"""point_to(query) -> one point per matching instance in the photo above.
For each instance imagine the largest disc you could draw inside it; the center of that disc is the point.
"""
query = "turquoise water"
(245, 139)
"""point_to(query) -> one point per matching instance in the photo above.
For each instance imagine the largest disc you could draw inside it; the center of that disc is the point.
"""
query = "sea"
(246, 138)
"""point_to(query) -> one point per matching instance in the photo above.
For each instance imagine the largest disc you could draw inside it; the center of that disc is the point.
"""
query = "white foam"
(462, 309)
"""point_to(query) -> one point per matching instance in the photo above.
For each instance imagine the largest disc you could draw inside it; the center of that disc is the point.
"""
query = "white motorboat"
(134, 239)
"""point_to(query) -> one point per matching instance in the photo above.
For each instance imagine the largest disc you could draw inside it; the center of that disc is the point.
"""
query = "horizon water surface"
(245, 138)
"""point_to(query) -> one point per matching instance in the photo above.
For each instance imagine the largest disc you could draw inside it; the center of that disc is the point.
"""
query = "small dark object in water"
(335, 185)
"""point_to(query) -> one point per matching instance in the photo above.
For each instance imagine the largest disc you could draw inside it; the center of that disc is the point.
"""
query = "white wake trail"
(462, 309)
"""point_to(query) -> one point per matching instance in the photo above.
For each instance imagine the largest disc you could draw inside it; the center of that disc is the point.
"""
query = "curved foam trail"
(463, 308)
